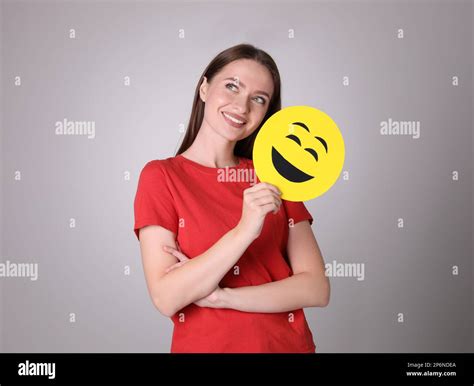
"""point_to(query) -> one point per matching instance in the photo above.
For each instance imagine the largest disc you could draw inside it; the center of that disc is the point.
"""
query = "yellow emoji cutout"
(300, 150)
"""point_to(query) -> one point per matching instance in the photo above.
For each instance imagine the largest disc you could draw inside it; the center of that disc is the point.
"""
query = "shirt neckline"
(209, 169)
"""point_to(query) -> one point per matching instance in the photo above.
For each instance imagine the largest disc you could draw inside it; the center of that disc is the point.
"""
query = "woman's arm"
(200, 276)
(308, 287)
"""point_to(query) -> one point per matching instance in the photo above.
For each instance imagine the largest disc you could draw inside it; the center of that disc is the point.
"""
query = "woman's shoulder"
(160, 165)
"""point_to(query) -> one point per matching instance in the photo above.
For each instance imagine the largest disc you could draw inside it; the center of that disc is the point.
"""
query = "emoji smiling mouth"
(287, 170)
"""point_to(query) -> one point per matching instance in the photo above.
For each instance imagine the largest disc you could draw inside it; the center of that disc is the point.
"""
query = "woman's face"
(237, 98)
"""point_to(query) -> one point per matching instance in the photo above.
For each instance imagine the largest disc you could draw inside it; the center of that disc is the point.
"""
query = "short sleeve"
(154, 204)
(297, 211)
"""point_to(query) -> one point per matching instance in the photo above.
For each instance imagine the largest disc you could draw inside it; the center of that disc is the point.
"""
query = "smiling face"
(300, 150)
(285, 168)
(237, 99)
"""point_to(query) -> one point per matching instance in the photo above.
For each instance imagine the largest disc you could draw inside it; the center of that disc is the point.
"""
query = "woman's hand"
(258, 200)
(213, 299)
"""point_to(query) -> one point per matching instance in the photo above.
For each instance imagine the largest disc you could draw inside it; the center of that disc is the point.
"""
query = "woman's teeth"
(233, 119)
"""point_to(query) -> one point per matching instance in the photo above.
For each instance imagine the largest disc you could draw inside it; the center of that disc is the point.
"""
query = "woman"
(232, 276)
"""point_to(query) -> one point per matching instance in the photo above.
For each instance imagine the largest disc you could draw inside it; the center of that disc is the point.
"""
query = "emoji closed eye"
(294, 138)
(308, 149)
(312, 152)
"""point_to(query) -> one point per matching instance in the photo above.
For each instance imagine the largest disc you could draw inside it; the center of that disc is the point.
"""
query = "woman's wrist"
(242, 234)
(225, 298)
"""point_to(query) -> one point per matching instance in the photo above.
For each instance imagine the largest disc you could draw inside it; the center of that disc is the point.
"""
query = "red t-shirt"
(200, 204)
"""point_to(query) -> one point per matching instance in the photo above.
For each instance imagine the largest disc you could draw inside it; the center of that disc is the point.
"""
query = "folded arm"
(308, 287)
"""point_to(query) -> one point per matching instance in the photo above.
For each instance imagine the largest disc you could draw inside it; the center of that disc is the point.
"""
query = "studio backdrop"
(395, 230)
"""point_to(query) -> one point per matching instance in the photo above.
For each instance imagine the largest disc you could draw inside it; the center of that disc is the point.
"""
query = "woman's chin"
(230, 134)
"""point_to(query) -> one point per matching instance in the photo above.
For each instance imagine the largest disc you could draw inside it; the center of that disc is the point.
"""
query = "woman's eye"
(261, 100)
(231, 86)
(234, 87)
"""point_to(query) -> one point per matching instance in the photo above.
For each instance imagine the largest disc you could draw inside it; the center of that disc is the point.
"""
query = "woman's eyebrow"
(239, 82)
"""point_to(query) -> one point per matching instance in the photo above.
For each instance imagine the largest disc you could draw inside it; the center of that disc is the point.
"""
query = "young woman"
(232, 276)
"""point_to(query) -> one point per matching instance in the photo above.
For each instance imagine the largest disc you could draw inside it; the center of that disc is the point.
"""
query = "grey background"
(81, 270)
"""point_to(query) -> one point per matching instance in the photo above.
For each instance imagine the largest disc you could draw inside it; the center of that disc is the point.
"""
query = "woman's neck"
(211, 153)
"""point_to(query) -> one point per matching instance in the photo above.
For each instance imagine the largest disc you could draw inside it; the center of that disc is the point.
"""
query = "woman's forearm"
(202, 274)
(297, 291)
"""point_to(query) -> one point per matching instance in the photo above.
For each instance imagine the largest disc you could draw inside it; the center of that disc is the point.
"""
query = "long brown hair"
(244, 147)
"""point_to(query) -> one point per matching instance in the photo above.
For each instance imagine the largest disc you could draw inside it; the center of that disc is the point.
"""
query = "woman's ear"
(203, 89)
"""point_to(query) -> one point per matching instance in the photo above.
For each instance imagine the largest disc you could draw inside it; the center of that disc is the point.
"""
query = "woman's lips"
(231, 122)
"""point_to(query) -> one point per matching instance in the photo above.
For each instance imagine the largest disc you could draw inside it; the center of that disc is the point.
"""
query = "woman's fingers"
(264, 185)
(181, 256)
(169, 269)
(267, 200)
(263, 196)
(271, 207)
(263, 193)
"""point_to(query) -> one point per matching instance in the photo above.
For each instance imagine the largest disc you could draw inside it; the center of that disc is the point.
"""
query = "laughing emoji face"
(300, 150)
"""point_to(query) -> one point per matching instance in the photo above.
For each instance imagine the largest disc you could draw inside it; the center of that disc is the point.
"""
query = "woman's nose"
(241, 103)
